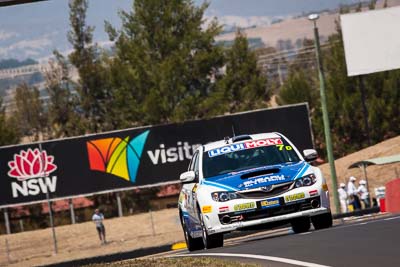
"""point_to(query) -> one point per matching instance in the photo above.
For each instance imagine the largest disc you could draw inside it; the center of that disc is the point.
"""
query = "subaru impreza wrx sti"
(249, 181)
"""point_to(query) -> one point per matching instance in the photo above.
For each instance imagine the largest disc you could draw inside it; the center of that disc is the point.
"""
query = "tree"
(298, 86)
(243, 87)
(345, 102)
(165, 60)
(8, 134)
(30, 115)
(93, 88)
(64, 119)
(359, 7)
(383, 104)
(296, 89)
(372, 5)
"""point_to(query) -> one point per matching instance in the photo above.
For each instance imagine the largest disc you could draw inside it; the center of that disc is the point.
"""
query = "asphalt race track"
(361, 243)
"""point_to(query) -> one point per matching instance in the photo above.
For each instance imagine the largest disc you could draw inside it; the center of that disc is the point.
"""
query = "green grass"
(177, 262)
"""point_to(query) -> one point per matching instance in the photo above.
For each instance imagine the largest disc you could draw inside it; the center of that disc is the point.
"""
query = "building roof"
(59, 205)
(376, 161)
(62, 205)
(169, 190)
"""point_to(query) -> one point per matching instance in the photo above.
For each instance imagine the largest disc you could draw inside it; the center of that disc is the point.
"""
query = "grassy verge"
(177, 262)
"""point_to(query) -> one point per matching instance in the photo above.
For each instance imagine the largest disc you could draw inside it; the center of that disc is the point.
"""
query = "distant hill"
(14, 63)
(290, 32)
(253, 43)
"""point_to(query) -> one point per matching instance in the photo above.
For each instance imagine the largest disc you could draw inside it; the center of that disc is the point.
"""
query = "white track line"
(306, 233)
(392, 218)
(259, 257)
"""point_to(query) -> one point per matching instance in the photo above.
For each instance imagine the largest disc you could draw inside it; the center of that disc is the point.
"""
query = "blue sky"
(34, 30)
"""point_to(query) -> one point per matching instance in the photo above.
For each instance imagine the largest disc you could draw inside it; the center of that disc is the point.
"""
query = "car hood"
(259, 177)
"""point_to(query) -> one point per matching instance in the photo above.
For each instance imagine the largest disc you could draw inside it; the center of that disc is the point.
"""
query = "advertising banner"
(131, 158)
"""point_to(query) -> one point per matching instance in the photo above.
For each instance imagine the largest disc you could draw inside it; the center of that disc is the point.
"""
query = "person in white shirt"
(343, 197)
(98, 218)
(364, 194)
(353, 193)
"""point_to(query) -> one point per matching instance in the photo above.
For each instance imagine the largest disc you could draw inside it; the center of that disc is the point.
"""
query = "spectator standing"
(352, 193)
(343, 197)
(364, 194)
(98, 218)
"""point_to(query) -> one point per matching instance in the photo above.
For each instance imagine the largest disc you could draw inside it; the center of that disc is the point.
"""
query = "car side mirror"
(187, 177)
(310, 154)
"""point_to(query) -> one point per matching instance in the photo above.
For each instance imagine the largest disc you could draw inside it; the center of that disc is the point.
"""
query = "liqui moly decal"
(246, 145)
(32, 169)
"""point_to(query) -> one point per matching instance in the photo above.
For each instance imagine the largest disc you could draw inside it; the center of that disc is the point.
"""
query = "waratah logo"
(31, 164)
(120, 157)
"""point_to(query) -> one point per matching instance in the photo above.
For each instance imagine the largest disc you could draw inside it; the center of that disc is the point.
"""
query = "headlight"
(224, 196)
(305, 181)
(299, 183)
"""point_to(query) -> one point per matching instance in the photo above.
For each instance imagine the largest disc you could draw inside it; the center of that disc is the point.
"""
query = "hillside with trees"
(14, 63)
(167, 67)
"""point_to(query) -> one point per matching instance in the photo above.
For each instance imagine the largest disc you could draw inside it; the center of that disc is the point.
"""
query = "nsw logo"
(120, 157)
(32, 169)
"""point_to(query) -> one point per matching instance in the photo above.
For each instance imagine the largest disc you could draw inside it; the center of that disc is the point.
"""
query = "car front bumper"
(221, 228)
(285, 211)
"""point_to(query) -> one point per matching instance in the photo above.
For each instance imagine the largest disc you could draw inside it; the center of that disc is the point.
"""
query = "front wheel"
(191, 243)
(210, 241)
(301, 225)
(322, 221)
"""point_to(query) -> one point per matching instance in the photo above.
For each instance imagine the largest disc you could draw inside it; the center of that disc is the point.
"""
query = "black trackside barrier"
(130, 158)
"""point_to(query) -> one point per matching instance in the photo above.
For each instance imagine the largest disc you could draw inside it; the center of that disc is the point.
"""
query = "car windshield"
(237, 157)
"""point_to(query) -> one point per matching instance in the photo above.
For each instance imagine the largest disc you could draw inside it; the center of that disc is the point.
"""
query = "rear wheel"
(322, 221)
(301, 225)
(191, 243)
(210, 241)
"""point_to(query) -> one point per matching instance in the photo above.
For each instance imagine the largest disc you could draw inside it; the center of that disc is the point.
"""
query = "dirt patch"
(81, 240)
(378, 175)
(180, 262)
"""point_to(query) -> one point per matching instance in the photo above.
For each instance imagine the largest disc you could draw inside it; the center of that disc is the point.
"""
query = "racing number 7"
(280, 147)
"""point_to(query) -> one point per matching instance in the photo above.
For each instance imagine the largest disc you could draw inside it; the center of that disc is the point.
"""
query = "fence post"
(72, 211)
(7, 221)
(152, 223)
(119, 205)
(49, 203)
(21, 225)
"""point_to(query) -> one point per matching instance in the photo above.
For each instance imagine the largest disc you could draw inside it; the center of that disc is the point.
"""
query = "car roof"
(222, 143)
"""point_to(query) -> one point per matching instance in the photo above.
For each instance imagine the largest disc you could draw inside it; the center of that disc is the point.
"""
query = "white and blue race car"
(247, 181)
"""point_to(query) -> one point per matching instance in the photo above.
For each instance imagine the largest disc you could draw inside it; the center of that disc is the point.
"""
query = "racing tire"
(191, 243)
(301, 225)
(322, 221)
(210, 241)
